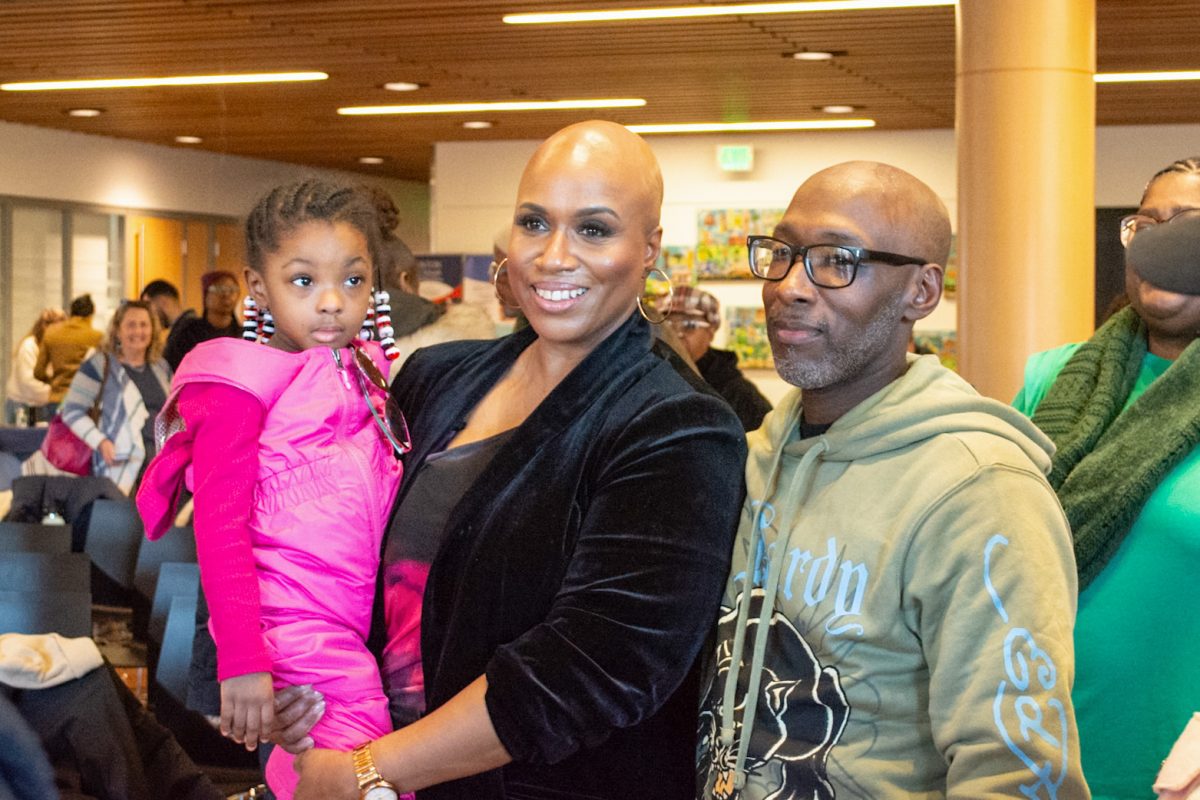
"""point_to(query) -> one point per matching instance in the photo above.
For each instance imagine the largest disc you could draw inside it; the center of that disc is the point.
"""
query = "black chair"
(67, 613)
(44, 572)
(177, 545)
(114, 535)
(176, 655)
(28, 537)
(174, 580)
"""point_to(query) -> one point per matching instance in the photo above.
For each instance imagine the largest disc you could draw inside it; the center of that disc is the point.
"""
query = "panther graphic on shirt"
(801, 714)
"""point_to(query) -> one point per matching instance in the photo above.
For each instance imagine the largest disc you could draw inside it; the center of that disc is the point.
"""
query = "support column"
(1025, 130)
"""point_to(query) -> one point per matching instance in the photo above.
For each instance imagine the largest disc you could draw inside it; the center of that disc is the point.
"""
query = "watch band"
(366, 774)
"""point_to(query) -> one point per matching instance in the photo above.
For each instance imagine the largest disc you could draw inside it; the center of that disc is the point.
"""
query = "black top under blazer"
(582, 571)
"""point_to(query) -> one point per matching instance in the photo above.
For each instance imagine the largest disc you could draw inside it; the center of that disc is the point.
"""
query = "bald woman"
(544, 597)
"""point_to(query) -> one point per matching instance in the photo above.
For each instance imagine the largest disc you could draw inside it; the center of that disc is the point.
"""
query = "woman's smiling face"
(585, 232)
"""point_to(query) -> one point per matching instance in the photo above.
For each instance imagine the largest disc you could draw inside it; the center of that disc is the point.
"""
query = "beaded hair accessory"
(257, 324)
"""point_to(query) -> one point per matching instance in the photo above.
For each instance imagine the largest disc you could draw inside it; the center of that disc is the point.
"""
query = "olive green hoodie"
(914, 583)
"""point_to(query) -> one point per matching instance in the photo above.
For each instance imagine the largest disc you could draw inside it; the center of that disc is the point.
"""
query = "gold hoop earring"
(641, 303)
(501, 285)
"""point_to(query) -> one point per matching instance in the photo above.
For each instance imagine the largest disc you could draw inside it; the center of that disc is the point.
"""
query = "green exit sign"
(735, 157)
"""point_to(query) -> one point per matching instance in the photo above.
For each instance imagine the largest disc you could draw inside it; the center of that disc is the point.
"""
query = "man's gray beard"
(844, 361)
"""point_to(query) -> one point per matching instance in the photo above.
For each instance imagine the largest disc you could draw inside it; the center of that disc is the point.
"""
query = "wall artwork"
(721, 240)
(746, 335)
(679, 264)
(943, 344)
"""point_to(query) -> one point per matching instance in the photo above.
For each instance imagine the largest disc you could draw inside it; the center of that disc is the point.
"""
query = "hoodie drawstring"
(803, 474)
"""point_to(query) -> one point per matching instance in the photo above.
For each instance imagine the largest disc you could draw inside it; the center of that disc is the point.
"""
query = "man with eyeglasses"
(695, 315)
(897, 620)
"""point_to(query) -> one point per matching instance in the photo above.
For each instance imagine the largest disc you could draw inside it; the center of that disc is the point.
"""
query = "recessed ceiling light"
(401, 86)
(752, 127)
(177, 80)
(460, 108)
(370, 160)
(188, 139)
(84, 112)
(683, 12)
(837, 109)
(477, 125)
(1146, 77)
(813, 55)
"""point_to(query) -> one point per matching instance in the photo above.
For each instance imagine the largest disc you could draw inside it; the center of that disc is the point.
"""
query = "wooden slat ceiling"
(897, 66)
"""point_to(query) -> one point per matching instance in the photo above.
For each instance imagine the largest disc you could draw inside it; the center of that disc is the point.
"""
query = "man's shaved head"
(608, 150)
(914, 217)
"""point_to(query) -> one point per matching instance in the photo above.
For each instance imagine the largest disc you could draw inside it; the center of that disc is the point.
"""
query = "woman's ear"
(653, 248)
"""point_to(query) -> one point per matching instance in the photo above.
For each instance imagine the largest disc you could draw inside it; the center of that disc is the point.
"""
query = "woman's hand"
(297, 709)
(247, 708)
(108, 452)
(325, 775)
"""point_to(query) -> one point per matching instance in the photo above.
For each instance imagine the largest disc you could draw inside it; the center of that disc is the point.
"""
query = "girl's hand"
(325, 775)
(108, 452)
(247, 708)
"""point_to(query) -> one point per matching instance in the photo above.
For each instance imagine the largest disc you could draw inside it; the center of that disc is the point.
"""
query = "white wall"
(476, 182)
(62, 165)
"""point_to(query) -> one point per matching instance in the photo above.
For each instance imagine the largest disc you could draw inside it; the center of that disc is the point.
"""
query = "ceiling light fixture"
(1146, 77)
(753, 127)
(477, 125)
(177, 80)
(401, 86)
(459, 108)
(813, 55)
(84, 112)
(739, 9)
(370, 160)
(188, 139)
(837, 109)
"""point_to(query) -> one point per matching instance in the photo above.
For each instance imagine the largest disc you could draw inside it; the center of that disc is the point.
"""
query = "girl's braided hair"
(289, 206)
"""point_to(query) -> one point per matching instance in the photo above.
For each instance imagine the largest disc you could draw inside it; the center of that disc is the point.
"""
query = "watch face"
(380, 793)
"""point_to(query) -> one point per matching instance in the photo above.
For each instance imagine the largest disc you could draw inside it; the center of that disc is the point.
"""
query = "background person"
(565, 600)
(695, 315)
(1122, 409)
(133, 393)
(64, 347)
(26, 397)
(163, 297)
(416, 321)
(222, 293)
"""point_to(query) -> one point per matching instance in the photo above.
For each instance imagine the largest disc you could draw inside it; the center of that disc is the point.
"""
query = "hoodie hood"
(928, 400)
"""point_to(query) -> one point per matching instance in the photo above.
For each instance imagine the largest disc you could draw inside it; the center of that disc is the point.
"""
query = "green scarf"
(1108, 462)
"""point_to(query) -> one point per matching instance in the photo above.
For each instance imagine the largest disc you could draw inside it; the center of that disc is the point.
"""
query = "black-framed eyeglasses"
(1133, 223)
(391, 422)
(830, 266)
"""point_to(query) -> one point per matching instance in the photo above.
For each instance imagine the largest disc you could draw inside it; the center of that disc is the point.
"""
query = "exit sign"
(735, 157)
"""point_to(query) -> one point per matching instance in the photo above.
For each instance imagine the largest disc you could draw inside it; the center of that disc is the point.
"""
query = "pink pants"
(337, 664)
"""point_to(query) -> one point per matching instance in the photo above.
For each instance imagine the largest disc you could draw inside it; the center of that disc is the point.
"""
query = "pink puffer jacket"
(325, 483)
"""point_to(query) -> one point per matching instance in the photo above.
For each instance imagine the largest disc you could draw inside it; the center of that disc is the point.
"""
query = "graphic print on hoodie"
(907, 631)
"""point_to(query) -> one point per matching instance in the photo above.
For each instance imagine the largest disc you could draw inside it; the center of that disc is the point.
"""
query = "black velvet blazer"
(582, 571)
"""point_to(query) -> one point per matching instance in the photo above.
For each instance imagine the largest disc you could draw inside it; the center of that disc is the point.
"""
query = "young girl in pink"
(292, 458)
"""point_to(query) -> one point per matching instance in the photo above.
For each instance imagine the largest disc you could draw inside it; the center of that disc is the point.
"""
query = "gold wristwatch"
(371, 785)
